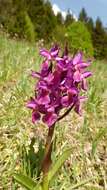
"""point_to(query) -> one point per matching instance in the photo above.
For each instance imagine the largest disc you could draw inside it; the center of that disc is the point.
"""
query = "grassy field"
(87, 135)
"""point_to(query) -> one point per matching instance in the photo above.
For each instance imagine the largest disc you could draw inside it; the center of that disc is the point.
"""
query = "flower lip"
(50, 118)
(35, 116)
(43, 98)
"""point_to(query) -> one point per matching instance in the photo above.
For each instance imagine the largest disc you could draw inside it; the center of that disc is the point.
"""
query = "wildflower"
(60, 82)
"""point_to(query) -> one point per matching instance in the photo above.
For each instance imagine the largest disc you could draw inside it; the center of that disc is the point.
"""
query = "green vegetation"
(35, 20)
(79, 38)
(29, 29)
(20, 139)
(25, 18)
(98, 34)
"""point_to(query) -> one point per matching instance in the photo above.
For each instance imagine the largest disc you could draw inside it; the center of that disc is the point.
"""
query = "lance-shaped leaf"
(25, 181)
(38, 187)
(56, 166)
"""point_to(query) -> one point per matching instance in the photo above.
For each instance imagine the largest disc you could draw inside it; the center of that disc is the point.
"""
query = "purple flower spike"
(61, 81)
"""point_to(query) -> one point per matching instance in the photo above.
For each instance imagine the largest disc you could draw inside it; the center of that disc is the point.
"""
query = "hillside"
(87, 135)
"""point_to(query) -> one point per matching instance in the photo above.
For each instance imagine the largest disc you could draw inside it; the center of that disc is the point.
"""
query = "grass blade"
(82, 183)
(98, 137)
(25, 181)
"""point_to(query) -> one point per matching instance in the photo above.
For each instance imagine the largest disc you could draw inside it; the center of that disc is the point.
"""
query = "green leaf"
(38, 187)
(25, 181)
(56, 166)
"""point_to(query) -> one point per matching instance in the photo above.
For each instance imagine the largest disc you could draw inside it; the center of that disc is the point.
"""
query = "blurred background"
(82, 23)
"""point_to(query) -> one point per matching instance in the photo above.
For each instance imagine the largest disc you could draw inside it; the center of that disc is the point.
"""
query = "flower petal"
(45, 68)
(86, 74)
(51, 109)
(31, 104)
(49, 78)
(83, 65)
(73, 91)
(35, 74)
(44, 100)
(35, 116)
(65, 101)
(54, 51)
(41, 85)
(43, 97)
(77, 76)
(45, 53)
(50, 118)
(77, 58)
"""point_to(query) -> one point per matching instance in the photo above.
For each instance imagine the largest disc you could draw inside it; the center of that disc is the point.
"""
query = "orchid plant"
(61, 84)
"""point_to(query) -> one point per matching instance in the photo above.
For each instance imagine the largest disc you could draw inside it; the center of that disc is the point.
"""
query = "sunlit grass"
(87, 135)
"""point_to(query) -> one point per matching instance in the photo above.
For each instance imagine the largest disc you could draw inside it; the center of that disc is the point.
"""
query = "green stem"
(45, 184)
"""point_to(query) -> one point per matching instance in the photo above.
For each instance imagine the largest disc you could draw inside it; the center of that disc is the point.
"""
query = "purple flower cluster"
(60, 83)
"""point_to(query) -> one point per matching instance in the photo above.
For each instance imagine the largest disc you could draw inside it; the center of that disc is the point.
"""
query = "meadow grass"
(87, 135)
